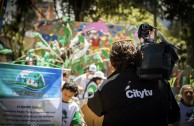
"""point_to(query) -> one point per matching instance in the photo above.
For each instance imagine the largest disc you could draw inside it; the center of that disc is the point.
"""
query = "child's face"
(98, 81)
(67, 95)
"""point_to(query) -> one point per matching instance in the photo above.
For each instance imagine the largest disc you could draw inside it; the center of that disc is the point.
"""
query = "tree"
(79, 8)
(15, 27)
(178, 12)
(14, 34)
(181, 14)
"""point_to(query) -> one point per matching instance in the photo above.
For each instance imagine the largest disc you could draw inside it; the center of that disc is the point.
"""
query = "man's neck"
(189, 104)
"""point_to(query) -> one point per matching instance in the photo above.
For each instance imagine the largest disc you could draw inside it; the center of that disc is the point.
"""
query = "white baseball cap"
(92, 68)
(29, 59)
(99, 74)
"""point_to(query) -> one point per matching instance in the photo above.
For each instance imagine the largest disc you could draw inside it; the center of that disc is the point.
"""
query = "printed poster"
(30, 95)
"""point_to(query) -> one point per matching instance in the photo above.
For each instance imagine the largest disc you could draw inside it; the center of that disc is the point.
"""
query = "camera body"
(144, 29)
(153, 61)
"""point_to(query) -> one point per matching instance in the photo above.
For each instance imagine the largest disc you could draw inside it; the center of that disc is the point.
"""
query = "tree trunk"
(190, 47)
(79, 6)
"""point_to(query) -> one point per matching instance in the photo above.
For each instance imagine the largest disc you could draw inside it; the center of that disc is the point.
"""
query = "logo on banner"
(30, 79)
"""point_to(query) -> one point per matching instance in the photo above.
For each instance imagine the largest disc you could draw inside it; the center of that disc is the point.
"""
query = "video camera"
(154, 60)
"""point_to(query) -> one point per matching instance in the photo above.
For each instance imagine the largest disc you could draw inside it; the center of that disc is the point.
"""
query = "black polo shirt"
(124, 100)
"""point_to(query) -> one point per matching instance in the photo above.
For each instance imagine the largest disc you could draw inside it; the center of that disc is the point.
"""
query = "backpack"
(155, 60)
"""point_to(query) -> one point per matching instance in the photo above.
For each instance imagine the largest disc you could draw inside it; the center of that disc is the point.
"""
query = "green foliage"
(41, 44)
(85, 59)
(105, 53)
(1, 47)
(67, 63)
(36, 34)
(66, 31)
(81, 39)
(62, 41)
(43, 52)
(65, 19)
(100, 66)
(137, 11)
(6, 51)
(121, 12)
(16, 24)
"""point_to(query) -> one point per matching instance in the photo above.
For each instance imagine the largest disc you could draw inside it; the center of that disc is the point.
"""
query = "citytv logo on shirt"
(135, 93)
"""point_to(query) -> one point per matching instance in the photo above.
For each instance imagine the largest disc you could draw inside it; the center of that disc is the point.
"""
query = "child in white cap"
(82, 80)
(94, 83)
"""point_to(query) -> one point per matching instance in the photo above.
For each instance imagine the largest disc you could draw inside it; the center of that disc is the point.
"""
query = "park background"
(43, 31)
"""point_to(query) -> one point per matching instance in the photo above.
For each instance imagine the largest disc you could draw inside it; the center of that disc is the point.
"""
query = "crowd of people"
(86, 85)
(71, 106)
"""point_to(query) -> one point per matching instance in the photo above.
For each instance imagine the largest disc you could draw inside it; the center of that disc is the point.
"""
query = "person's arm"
(91, 90)
(77, 79)
(76, 120)
(95, 103)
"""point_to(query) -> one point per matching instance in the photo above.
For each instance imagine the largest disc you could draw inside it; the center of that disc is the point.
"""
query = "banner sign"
(30, 95)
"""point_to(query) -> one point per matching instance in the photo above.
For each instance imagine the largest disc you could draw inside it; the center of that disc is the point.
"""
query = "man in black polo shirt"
(123, 99)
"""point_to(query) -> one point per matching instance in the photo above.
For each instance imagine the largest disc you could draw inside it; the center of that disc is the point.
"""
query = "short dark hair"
(122, 53)
(65, 74)
(70, 86)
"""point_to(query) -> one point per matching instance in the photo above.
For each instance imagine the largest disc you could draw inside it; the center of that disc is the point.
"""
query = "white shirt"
(82, 81)
(68, 112)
